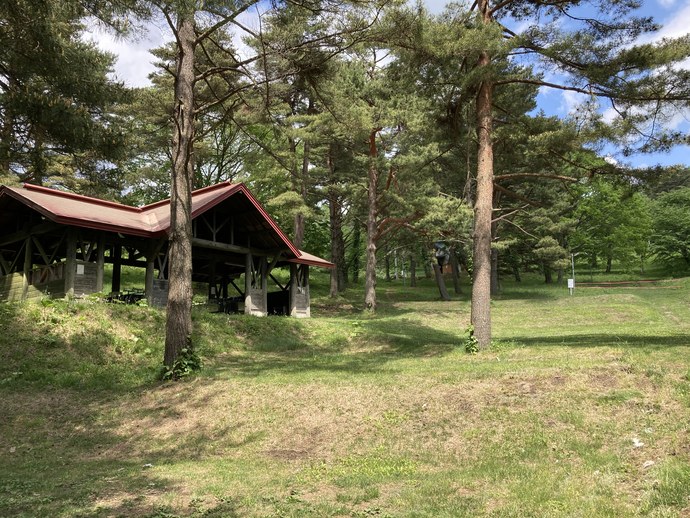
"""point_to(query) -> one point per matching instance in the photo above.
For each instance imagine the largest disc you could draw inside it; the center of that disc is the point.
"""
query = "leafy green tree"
(670, 239)
(196, 24)
(220, 146)
(56, 117)
(614, 222)
(597, 55)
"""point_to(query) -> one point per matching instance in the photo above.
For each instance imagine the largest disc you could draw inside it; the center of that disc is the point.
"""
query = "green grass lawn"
(580, 408)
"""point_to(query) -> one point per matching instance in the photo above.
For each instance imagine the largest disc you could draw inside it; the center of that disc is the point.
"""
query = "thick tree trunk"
(178, 329)
(483, 207)
(372, 213)
(548, 275)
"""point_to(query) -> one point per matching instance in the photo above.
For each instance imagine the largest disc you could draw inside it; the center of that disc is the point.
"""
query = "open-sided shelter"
(56, 243)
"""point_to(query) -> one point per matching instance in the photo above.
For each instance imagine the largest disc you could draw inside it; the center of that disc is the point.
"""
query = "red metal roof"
(311, 260)
(148, 221)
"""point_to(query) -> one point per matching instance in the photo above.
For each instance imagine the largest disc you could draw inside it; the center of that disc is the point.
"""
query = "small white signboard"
(80, 269)
(571, 284)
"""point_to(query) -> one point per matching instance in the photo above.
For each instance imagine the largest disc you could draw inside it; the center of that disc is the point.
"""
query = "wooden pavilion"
(56, 243)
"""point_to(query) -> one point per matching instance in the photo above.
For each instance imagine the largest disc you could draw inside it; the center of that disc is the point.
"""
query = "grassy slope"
(352, 415)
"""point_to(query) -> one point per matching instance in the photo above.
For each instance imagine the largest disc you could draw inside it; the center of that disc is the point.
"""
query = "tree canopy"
(370, 128)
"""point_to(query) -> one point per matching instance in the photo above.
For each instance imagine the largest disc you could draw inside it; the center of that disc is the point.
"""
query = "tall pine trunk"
(178, 328)
(300, 183)
(299, 218)
(372, 213)
(495, 280)
(481, 275)
(6, 138)
(455, 266)
(413, 271)
(387, 260)
(355, 252)
(339, 273)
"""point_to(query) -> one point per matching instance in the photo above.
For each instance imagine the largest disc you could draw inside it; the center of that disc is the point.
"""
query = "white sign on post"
(571, 284)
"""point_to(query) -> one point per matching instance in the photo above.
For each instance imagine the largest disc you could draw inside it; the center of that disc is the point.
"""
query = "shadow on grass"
(370, 347)
(75, 453)
(515, 292)
(605, 340)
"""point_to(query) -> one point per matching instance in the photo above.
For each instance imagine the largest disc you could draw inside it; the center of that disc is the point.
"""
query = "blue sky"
(135, 63)
(674, 18)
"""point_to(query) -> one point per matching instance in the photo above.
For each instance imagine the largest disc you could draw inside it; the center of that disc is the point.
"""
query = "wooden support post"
(100, 263)
(117, 268)
(212, 288)
(4, 266)
(256, 296)
(300, 303)
(249, 267)
(70, 263)
(148, 280)
(28, 264)
(293, 290)
(151, 255)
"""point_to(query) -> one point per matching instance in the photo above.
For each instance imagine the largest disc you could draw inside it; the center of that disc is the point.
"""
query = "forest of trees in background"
(356, 124)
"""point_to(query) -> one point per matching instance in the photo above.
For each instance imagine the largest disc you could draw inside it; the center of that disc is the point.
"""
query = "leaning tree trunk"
(481, 278)
(372, 213)
(178, 328)
(440, 282)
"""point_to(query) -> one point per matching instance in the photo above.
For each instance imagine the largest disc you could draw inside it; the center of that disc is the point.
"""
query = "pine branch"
(535, 175)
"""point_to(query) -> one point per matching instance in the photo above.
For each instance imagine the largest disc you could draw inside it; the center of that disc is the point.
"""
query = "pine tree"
(55, 96)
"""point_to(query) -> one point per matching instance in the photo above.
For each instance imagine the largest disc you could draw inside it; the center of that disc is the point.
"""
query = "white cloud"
(571, 101)
(134, 61)
(666, 3)
(673, 25)
(435, 6)
(610, 160)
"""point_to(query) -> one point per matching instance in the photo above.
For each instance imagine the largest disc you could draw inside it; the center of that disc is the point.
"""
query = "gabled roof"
(148, 221)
